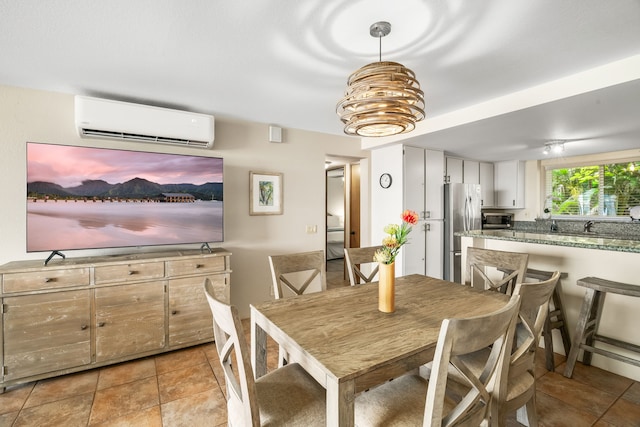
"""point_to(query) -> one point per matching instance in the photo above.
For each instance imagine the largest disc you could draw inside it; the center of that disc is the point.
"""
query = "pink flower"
(410, 217)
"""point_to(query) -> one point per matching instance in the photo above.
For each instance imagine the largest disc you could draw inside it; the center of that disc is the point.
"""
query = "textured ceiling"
(286, 62)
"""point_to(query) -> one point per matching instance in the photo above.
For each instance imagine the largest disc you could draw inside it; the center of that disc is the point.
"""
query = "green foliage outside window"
(604, 190)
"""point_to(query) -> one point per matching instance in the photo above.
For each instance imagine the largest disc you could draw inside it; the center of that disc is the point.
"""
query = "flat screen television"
(93, 198)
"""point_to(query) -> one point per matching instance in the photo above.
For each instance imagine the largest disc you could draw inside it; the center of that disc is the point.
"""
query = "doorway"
(342, 216)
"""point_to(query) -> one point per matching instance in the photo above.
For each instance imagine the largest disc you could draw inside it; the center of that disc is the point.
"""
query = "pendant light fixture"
(382, 98)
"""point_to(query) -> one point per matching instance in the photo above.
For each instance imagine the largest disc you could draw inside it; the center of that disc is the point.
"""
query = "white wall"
(32, 115)
(387, 203)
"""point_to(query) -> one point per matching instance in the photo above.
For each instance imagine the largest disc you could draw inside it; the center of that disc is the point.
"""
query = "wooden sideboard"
(82, 313)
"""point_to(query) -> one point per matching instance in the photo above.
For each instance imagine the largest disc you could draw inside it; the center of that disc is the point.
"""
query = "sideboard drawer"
(129, 272)
(45, 279)
(196, 265)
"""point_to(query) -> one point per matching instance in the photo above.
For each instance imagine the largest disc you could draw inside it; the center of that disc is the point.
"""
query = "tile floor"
(186, 388)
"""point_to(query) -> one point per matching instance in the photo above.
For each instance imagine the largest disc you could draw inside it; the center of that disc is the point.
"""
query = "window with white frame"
(594, 190)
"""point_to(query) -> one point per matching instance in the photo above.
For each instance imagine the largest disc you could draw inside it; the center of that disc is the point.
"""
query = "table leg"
(340, 400)
(258, 349)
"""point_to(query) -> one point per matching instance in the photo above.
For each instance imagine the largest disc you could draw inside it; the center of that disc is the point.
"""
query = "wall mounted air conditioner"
(103, 118)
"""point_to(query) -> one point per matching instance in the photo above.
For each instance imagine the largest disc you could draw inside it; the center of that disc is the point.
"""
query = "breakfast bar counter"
(579, 255)
(577, 240)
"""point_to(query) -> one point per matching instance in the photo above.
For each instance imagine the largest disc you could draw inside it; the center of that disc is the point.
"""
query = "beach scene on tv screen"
(89, 198)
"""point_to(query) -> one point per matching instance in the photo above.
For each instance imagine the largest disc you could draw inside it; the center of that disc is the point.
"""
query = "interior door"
(354, 207)
(337, 222)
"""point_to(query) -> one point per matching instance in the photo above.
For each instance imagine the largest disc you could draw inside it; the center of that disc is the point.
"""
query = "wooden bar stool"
(587, 327)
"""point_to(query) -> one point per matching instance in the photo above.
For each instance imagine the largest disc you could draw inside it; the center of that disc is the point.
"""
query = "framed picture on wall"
(265, 193)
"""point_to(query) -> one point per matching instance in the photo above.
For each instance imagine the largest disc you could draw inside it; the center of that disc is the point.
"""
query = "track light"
(555, 147)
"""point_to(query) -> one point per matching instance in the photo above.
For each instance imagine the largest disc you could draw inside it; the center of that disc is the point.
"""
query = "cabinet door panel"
(434, 262)
(471, 173)
(454, 170)
(486, 184)
(414, 179)
(130, 319)
(434, 184)
(509, 184)
(190, 318)
(414, 194)
(45, 333)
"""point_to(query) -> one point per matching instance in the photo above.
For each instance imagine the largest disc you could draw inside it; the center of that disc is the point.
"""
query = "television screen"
(91, 198)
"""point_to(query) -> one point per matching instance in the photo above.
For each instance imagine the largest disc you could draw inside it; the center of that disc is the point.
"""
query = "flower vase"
(386, 287)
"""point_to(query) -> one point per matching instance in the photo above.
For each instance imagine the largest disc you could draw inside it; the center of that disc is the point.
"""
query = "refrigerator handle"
(467, 216)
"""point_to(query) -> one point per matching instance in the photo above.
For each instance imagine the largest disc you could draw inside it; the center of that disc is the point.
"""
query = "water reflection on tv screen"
(90, 198)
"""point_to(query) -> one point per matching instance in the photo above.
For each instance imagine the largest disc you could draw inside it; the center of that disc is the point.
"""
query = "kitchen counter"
(607, 243)
(579, 255)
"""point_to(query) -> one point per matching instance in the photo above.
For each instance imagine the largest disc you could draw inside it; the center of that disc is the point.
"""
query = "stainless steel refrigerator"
(462, 212)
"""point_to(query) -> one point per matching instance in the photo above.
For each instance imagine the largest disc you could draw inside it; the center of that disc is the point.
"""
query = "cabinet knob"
(199, 265)
(101, 324)
(132, 272)
(49, 279)
(83, 327)
(174, 311)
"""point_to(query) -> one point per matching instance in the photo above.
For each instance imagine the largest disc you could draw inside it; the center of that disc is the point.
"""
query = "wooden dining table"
(341, 339)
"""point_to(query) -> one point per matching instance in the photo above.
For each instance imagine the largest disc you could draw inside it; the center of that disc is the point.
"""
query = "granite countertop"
(608, 243)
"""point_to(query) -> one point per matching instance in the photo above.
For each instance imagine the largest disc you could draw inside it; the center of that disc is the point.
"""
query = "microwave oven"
(496, 220)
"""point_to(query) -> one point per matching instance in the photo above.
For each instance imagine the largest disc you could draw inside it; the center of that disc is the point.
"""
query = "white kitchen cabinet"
(454, 170)
(434, 185)
(423, 193)
(509, 184)
(471, 172)
(487, 185)
(462, 171)
(434, 249)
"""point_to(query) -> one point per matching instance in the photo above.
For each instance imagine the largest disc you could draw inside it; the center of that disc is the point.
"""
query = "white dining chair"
(411, 400)
(287, 396)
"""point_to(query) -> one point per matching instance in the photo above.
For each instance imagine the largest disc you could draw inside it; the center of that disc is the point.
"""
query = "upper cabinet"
(454, 172)
(501, 183)
(471, 172)
(462, 171)
(434, 187)
(486, 185)
(509, 184)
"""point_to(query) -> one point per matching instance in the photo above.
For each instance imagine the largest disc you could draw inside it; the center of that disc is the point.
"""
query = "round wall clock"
(385, 180)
